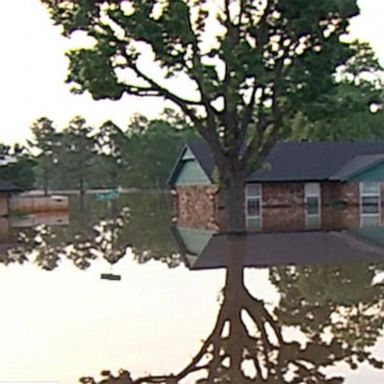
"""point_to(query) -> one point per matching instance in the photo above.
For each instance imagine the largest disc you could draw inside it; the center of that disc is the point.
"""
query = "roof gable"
(194, 165)
(191, 173)
(360, 167)
(188, 155)
(375, 172)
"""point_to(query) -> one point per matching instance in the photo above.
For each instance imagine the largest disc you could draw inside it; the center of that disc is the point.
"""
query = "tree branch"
(248, 112)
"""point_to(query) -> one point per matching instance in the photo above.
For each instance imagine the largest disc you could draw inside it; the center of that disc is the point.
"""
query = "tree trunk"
(81, 187)
(114, 175)
(45, 181)
(232, 177)
(234, 292)
(233, 193)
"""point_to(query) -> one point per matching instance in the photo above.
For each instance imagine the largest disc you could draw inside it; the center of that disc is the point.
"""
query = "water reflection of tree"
(149, 229)
(341, 299)
(248, 342)
(46, 246)
(146, 230)
(104, 230)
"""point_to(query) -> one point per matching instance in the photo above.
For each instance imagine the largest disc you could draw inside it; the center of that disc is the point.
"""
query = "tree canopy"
(354, 110)
(17, 166)
(45, 141)
(79, 156)
(249, 65)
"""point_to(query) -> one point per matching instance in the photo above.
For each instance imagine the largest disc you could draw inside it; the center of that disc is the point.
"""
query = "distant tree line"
(101, 231)
(79, 156)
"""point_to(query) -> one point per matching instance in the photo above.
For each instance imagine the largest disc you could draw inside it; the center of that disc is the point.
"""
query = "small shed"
(7, 189)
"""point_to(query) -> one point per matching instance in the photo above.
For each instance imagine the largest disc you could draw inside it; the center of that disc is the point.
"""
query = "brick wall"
(333, 194)
(283, 195)
(198, 206)
(282, 206)
(348, 192)
(283, 219)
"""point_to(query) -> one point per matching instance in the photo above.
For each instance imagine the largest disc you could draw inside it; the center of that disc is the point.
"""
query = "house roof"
(302, 161)
(6, 186)
(357, 165)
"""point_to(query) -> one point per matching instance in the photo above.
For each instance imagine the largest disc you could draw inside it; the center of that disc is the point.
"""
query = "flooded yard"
(119, 285)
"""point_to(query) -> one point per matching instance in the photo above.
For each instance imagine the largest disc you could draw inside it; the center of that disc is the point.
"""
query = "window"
(370, 203)
(312, 195)
(253, 206)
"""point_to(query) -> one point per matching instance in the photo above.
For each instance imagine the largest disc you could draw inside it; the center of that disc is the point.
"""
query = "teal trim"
(188, 155)
(374, 235)
(191, 173)
(195, 240)
(372, 173)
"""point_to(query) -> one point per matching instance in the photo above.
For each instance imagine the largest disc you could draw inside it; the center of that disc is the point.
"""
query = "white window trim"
(318, 196)
(260, 198)
(361, 203)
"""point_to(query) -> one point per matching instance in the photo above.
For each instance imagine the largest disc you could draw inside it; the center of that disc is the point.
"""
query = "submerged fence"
(32, 204)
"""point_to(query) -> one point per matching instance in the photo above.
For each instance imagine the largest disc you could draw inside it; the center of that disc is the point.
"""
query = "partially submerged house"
(7, 189)
(301, 184)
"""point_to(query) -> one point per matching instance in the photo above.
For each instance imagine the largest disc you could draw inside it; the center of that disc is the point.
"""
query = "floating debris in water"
(110, 276)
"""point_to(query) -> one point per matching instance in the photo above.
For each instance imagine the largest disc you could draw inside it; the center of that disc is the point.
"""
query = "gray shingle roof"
(202, 152)
(357, 165)
(304, 161)
(6, 186)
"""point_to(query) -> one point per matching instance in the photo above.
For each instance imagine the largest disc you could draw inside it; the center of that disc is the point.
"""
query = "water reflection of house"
(4, 230)
(301, 185)
(41, 218)
(7, 190)
(204, 249)
(10, 227)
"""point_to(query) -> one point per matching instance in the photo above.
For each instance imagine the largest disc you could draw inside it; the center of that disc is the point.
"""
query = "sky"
(33, 69)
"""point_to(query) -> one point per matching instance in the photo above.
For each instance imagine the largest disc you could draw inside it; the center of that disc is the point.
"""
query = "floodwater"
(117, 285)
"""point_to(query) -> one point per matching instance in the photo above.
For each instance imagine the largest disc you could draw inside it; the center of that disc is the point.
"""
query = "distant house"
(301, 184)
(7, 189)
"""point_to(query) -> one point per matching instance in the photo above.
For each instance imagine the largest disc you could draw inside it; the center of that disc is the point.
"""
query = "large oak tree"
(249, 66)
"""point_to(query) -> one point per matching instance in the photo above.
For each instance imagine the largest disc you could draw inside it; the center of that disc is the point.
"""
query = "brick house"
(301, 185)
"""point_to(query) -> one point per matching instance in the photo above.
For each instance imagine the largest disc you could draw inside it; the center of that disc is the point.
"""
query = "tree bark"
(45, 181)
(81, 187)
(232, 178)
(233, 193)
